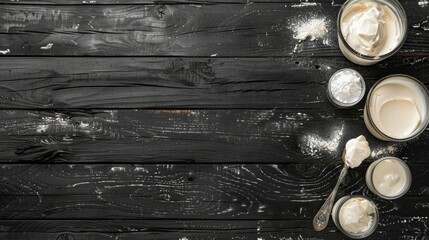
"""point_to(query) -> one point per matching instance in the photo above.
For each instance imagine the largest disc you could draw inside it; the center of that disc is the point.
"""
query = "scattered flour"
(313, 29)
(314, 145)
(305, 4)
(379, 152)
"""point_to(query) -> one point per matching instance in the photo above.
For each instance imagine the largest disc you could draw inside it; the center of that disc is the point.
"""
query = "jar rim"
(368, 112)
(372, 167)
(374, 223)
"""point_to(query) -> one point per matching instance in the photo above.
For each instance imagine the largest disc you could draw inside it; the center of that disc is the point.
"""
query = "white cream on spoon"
(357, 150)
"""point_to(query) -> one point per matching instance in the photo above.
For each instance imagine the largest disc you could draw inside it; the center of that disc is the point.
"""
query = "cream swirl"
(357, 150)
(367, 28)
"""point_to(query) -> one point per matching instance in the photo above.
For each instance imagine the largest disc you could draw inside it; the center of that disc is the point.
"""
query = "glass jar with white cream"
(370, 31)
(388, 177)
(356, 216)
(396, 108)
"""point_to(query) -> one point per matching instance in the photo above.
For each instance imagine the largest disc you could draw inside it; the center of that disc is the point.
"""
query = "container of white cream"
(370, 31)
(356, 216)
(396, 108)
(388, 177)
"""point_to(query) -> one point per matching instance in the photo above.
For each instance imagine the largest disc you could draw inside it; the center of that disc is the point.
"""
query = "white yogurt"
(388, 177)
(397, 107)
(371, 28)
(357, 150)
(356, 215)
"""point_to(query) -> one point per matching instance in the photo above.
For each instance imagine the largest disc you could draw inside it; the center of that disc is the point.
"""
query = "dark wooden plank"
(295, 3)
(181, 82)
(188, 191)
(260, 29)
(199, 136)
(404, 228)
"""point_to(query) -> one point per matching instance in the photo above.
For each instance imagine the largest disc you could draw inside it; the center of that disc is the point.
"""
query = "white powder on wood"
(315, 145)
(313, 29)
(345, 86)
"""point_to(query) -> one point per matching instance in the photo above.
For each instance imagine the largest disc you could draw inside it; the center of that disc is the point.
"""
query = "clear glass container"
(336, 102)
(363, 59)
(368, 118)
(369, 177)
(336, 217)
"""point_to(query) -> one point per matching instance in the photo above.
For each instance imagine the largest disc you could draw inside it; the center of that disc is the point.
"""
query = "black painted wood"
(188, 191)
(194, 136)
(195, 229)
(266, 83)
(260, 29)
(188, 119)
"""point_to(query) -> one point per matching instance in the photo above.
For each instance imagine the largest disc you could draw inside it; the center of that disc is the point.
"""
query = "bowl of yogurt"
(356, 216)
(370, 31)
(388, 178)
(396, 108)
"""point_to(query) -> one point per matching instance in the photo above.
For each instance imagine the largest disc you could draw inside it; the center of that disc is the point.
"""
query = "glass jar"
(376, 170)
(336, 211)
(423, 97)
(360, 58)
(337, 102)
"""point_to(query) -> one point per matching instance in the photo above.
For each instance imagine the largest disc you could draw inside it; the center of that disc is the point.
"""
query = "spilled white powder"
(313, 29)
(315, 145)
(345, 86)
(384, 151)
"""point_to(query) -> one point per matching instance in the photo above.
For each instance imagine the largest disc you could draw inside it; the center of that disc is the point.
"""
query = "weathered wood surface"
(182, 82)
(194, 136)
(188, 191)
(199, 119)
(260, 29)
(199, 229)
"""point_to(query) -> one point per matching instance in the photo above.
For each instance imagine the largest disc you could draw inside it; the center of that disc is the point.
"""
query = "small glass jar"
(362, 59)
(369, 118)
(379, 173)
(336, 211)
(337, 102)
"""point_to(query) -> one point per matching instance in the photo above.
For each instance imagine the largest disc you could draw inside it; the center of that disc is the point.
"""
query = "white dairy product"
(356, 215)
(345, 86)
(398, 107)
(357, 150)
(370, 28)
(389, 178)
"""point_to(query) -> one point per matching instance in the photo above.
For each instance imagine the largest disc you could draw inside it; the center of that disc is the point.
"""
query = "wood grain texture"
(200, 229)
(195, 136)
(296, 3)
(260, 29)
(182, 82)
(188, 191)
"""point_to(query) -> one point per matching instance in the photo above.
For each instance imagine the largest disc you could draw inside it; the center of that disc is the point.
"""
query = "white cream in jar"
(373, 29)
(388, 177)
(397, 107)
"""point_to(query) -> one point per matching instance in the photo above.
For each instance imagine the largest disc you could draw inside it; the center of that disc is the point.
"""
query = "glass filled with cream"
(388, 177)
(356, 216)
(370, 31)
(396, 108)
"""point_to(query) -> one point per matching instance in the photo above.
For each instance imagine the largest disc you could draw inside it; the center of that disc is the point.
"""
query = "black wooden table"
(134, 119)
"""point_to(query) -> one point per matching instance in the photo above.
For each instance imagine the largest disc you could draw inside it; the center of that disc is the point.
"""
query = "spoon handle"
(321, 219)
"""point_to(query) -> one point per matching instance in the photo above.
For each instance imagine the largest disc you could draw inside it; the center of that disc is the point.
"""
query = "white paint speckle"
(5, 51)
(423, 3)
(213, 55)
(47, 47)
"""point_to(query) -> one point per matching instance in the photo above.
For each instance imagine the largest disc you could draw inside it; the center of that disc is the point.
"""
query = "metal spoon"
(321, 219)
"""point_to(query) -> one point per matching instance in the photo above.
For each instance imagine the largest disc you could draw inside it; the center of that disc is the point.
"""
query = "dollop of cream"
(356, 215)
(357, 150)
(370, 28)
